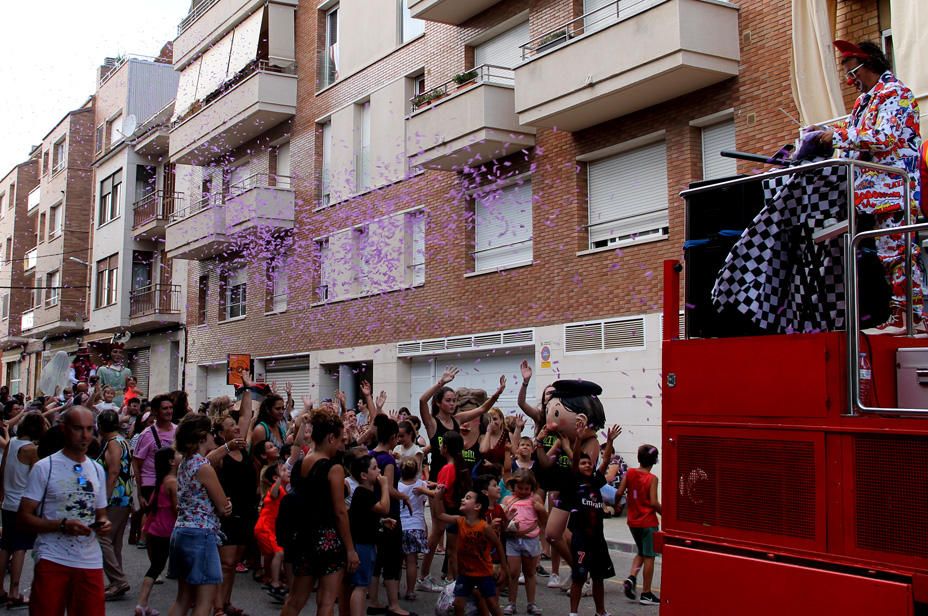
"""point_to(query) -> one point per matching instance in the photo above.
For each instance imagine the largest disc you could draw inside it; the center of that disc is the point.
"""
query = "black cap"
(577, 387)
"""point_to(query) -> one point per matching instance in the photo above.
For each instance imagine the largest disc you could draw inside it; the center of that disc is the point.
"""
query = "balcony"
(453, 12)
(209, 21)
(206, 229)
(30, 259)
(28, 320)
(150, 214)
(470, 119)
(154, 305)
(257, 103)
(624, 57)
(35, 196)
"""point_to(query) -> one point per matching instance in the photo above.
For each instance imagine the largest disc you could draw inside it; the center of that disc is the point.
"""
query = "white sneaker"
(554, 581)
(587, 589)
(522, 578)
(427, 584)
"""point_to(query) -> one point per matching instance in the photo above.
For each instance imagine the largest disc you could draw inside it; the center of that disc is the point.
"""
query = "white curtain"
(245, 42)
(814, 72)
(910, 42)
(187, 88)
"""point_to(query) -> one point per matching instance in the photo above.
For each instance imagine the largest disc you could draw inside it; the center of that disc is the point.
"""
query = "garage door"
(140, 365)
(292, 369)
(216, 382)
(477, 371)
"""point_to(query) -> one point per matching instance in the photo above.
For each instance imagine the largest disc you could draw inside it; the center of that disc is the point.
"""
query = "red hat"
(850, 50)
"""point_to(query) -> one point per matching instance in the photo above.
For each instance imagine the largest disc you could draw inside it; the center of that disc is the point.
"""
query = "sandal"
(115, 592)
(17, 604)
(231, 610)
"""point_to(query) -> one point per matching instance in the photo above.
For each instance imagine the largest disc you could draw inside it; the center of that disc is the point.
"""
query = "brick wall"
(560, 286)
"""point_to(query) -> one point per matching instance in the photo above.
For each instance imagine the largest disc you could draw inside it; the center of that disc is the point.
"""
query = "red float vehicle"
(782, 492)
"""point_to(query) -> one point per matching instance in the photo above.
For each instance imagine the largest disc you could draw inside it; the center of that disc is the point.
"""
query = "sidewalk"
(617, 534)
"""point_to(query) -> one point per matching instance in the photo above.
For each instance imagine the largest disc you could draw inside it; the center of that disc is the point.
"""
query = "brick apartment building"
(473, 183)
(377, 188)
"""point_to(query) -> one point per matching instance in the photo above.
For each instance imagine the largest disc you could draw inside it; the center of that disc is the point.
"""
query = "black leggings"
(158, 550)
(390, 556)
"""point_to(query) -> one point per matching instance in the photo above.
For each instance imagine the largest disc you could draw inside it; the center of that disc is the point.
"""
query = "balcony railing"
(589, 22)
(197, 12)
(485, 73)
(159, 205)
(28, 320)
(154, 299)
(30, 260)
(204, 202)
(258, 180)
(35, 196)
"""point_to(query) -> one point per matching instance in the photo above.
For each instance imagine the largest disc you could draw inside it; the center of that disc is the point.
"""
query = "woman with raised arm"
(439, 419)
(536, 414)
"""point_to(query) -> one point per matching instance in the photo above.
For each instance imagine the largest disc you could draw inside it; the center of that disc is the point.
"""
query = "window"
(363, 255)
(363, 156)
(326, 164)
(235, 294)
(330, 61)
(2, 202)
(8, 255)
(99, 138)
(409, 28)
(419, 84)
(202, 298)
(41, 230)
(114, 130)
(52, 288)
(326, 270)
(45, 167)
(277, 291)
(415, 248)
(12, 377)
(628, 196)
(503, 227)
(58, 155)
(716, 138)
(503, 49)
(12, 200)
(884, 12)
(5, 307)
(107, 281)
(54, 221)
(110, 192)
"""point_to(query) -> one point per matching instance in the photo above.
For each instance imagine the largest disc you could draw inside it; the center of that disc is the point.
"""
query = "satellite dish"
(129, 125)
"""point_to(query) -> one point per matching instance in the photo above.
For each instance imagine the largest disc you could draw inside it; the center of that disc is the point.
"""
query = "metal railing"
(158, 205)
(851, 241)
(198, 11)
(593, 21)
(122, 60)
(154, 299)
(485, 73)
(257, 180)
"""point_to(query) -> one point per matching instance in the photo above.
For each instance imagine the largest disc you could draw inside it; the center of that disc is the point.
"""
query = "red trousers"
(57, 589)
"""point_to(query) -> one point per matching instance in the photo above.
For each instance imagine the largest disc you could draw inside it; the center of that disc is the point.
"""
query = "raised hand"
(246, 379)
(502, 384)
(526, 371)
(307, 404)
(613, 432)
(288, 387)
(365, 388)
(381, 398)
(520, 423)
(449, 374)
(274, 387)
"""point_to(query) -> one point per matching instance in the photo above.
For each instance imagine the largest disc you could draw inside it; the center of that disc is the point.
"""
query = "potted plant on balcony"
(427, 97)
(467, 77)
(552, 40)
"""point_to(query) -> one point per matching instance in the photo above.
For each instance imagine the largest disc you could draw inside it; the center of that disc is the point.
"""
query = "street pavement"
(249, 596)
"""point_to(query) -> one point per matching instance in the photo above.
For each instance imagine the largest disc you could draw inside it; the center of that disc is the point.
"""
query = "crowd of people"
(321, 499)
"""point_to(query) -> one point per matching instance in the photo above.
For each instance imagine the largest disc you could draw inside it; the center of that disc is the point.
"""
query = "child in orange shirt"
(266, 528)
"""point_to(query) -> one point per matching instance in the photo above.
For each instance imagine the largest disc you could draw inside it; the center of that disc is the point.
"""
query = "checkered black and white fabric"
(775, 273)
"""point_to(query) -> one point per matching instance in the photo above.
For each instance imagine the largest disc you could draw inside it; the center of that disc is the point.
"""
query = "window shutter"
(628, 193)
(187, 88)
(214, 67)
(716, 138)
(503, 49)
(140, 367)
(602, 17)
(503, 227)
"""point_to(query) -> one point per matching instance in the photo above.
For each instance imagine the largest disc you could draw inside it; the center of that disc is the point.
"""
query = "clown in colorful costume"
(883, 128)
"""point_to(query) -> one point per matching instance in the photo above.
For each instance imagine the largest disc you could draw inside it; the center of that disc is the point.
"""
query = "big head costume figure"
(570, 399)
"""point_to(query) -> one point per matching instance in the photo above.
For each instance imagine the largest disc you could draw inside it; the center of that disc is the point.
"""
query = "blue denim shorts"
(194, 556)
(367, 554)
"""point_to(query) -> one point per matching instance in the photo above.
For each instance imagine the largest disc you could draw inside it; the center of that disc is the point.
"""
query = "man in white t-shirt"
(65, 505)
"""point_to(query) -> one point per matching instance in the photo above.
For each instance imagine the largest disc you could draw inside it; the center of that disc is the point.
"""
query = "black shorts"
(238, 529)
(14, 539)
(556, 479)
(591, 558)
(389, 563)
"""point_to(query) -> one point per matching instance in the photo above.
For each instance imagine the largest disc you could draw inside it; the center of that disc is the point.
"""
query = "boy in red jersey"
(643, 506)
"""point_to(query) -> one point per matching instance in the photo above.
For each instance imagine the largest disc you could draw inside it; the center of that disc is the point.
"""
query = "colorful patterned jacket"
(883, 128)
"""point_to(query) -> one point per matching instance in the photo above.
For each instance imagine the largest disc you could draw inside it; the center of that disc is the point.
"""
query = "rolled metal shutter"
(140, 365)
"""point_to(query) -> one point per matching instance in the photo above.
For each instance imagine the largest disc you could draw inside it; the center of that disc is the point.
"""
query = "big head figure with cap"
(575, 409)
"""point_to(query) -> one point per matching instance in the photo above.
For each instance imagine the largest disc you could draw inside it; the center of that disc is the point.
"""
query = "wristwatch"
(61, 525)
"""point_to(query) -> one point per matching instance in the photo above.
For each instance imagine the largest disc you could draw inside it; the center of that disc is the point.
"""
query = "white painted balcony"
(469, 120)
(30, 259)
(623, 57)
(209, 21)
(453, 12)
(259, 204)
(35, 196)
(254, 105)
